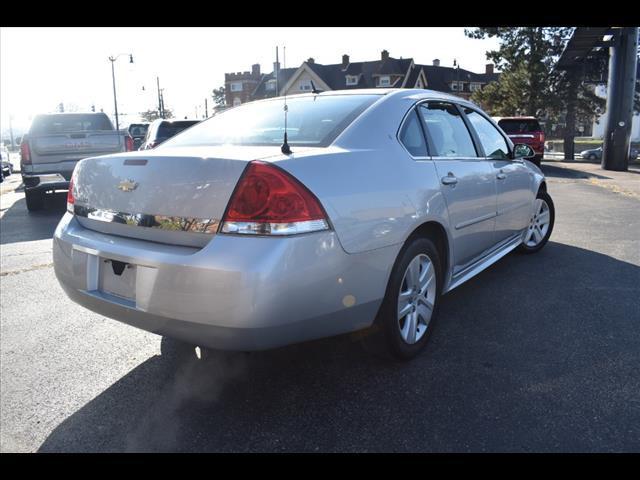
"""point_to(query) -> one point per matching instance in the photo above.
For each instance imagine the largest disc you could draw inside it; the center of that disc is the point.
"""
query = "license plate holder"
(117, 278)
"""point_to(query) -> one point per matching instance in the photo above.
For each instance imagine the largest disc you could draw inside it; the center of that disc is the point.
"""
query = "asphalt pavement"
(539, 353)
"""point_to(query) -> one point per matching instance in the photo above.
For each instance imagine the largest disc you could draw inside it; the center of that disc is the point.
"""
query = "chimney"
(436, 62)
(311, 60)
(255, 70)
(345, 61)
(489, 68)
(276, 67)
(384, 55)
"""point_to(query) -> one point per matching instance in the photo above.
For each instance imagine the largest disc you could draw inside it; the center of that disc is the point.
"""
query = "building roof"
(440, 78)
(261, 92)
(334, 75)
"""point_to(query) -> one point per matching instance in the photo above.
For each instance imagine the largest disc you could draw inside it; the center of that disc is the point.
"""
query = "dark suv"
(525, 130)
(161, 130)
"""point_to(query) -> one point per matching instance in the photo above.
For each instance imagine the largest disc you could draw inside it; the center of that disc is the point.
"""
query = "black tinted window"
(169, 129)
(70, 122)
(138, 130)
(448, 132)
(312, 121)
(493, 143)
(511, 126)
(412, 136)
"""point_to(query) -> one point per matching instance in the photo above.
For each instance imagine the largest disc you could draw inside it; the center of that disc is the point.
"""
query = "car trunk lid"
(170, 195)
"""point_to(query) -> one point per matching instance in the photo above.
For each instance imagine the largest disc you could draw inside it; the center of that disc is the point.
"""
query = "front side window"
(412, 136)
(447, 130)
(493, 143)
(311, 121)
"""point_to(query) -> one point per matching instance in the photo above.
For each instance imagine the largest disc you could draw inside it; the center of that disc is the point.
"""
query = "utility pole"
(160, 109)
(277, 72)
(13, 145)
(206, 108)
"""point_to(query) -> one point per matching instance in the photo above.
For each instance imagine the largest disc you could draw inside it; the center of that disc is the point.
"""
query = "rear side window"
(447, 130)
(313, 121)
(512, 126)
(70, 123)
(493, 143)
(412, 136)
(169, 129)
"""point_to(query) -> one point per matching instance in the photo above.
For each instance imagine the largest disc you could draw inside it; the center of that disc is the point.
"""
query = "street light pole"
(113, 77)
(115, 101)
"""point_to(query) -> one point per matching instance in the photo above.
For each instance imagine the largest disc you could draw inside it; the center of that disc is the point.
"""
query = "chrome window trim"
(206, 226)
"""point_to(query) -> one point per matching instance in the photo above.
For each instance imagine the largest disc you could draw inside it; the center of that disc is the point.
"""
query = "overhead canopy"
(581, 45)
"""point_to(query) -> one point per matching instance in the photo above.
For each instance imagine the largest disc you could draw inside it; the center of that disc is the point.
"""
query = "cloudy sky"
(41, 67)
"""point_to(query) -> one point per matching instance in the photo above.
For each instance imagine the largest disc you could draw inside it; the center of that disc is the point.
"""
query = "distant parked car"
(593, 154)
(525, 130)
(138, 131)
(7, 168)
(633, 154)
(161, 130)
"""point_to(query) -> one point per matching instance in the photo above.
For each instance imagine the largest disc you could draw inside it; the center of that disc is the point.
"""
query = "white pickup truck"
(56, 142)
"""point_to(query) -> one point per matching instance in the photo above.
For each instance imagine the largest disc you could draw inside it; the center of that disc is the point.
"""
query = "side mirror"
(520, 150)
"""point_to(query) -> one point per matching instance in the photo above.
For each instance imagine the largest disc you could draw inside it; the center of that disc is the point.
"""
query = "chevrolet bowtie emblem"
(127, 185)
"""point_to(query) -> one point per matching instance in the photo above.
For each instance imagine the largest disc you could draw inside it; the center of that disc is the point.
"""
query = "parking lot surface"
(537, 353)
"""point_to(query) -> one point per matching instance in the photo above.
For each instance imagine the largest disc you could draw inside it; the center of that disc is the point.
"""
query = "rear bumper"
(45, 181)
(236, 293)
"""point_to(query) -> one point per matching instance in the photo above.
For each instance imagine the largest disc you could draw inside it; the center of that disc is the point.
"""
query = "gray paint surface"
(320, 284)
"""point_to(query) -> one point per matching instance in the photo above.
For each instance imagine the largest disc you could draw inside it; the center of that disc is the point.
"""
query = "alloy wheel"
(416, 299)
(539, 224)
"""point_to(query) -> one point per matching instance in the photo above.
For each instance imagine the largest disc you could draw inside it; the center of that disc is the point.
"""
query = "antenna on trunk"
(285, 146)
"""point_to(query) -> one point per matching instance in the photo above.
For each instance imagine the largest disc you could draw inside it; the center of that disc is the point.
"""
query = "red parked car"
(524, 130)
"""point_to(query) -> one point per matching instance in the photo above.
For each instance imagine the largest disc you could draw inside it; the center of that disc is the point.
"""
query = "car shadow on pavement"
(537, 353)
(19, 225)
(552, 171)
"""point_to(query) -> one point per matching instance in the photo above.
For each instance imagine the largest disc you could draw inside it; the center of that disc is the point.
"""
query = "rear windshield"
(519, 126)
(169, 129)
(138, 130)
(70, 122)
(311, 121)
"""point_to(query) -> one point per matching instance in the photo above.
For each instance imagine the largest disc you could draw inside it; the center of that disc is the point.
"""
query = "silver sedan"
(243, 234)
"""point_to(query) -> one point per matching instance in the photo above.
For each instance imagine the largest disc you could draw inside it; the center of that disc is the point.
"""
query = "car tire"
(531, 242)
(592, 157)
(391, 336)
(35, 200)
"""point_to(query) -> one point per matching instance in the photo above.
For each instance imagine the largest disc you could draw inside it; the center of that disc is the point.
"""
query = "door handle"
(501, 175)
(450, 179)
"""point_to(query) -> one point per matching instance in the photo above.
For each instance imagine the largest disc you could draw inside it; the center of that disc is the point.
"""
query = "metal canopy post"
(620, 92)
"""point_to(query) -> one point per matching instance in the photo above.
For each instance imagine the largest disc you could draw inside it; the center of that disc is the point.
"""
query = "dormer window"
(270, 85)
(384, 81)
(352, 79)
(305, 85)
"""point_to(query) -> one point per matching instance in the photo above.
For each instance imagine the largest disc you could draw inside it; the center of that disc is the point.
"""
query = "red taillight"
(541, 137)
(71, 199)
(128, 143)
(269, 201)
(25, 153)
